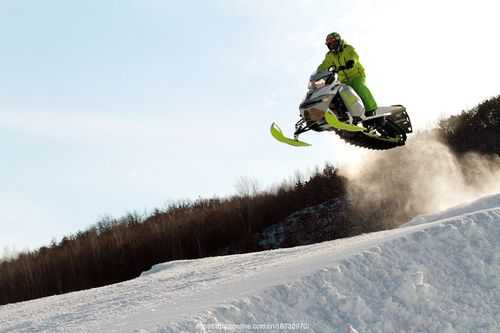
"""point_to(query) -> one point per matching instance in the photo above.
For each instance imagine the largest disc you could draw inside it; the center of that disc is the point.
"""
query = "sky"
(109, 107)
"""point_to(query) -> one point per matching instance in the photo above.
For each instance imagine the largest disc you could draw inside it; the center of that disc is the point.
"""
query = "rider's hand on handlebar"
(317, 84)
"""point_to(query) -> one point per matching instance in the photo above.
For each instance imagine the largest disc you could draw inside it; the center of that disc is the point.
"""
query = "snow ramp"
(438, 273)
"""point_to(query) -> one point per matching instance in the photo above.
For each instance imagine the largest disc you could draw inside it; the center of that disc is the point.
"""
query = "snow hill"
(438, 273)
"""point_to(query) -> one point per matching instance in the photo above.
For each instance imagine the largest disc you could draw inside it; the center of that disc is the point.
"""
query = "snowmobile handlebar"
(329, 75)
(320, 79)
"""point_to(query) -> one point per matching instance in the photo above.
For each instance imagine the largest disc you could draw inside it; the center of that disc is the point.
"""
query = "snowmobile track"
(362, 140)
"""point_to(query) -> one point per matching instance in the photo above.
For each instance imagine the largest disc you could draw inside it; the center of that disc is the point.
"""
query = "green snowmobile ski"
(278, 135)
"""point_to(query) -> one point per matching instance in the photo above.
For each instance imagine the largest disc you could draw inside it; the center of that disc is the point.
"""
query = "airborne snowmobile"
(333, 106)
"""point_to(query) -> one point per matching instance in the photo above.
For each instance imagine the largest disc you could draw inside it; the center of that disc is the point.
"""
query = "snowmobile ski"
(278, 135)
(332, 120)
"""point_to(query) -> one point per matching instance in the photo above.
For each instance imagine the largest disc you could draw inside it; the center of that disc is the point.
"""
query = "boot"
(370, 122)
(370, 113)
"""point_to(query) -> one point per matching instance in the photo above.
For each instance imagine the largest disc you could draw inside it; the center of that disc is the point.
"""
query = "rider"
(344, 58)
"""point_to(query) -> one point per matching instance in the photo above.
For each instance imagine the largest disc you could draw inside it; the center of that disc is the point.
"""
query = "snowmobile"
(330, 105)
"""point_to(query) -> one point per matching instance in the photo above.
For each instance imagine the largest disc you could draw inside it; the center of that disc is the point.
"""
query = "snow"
(438, 273)
(460, 210)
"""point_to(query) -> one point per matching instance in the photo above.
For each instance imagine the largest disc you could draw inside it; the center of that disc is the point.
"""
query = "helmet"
(334, 42)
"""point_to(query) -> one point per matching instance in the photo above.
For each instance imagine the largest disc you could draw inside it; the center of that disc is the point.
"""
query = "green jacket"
(340, 58)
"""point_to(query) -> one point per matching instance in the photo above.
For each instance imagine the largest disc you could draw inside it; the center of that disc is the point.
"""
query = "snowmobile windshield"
(321, 75)
(320, 79)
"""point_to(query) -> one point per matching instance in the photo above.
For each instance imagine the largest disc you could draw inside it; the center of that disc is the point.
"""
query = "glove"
(348, 65)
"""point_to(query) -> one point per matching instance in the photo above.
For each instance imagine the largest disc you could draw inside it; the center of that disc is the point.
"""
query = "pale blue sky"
(112, 106)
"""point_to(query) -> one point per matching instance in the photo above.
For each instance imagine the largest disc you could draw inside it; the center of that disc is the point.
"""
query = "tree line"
(115, 250)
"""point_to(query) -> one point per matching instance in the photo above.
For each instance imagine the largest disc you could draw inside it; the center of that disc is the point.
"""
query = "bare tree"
(247, 186)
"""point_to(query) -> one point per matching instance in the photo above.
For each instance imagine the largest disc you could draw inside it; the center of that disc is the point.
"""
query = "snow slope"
(439, 273)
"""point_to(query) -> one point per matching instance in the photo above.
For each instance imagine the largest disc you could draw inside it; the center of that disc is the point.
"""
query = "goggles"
(331, 42)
